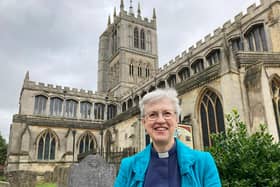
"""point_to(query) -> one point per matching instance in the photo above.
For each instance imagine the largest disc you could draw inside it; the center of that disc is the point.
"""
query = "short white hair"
(158, 94)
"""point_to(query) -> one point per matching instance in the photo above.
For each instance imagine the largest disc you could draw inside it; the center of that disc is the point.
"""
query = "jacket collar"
(186, 158)
(184, 155)
(141, 160)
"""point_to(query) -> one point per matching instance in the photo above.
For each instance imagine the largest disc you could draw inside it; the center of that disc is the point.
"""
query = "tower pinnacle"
(139, 10)
(154, 13)
(122, 5)
(131, 8)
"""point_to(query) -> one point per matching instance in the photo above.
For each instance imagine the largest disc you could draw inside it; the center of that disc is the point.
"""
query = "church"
(236, 66)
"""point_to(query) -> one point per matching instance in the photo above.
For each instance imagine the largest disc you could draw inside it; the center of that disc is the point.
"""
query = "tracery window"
(46, 146)
(129, 103)
(237, 44)
(136, 38)
(136, 100)
(147, 71)
(139, 71)
(87, 143)
(197, 66)
(131, 71)
(142, 39)
(184, 73)
(275, 89)
(40, 104)
(99, 109)
(171, 81)
(211, 116)
(161, 84)
(256, 38)
(56, 106)
(214, 57)
(71, 108)
(85, 109)
(111, 111)
(149, 41)
(124, 107)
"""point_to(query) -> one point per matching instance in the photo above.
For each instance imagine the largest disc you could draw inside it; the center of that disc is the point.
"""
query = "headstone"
(92, 171)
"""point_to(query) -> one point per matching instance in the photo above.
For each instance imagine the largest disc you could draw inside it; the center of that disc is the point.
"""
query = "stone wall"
(22, 178)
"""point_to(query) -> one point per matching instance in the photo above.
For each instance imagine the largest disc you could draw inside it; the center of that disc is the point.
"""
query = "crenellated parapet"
(61, 90)
(240, 23)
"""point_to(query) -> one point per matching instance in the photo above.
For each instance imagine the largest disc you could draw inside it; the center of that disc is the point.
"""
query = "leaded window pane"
(142, 39)
(40, 104)
(204, 126)
(136, 38)
(86, 143)
(46, 146)
(85, 109)
(56, 106)
(71, 108)
(99, 109)
(211, 114)
(256, 38)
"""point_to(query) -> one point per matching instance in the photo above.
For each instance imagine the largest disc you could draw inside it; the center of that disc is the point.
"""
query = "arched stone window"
(129, 103)
(56, 106)
(236, 44)
(211, 116)
(275, 89)
(136, 100)
(124, 107)
(71, 108)
(161, 84)
(143, 94)
(40, 104)
(139, 71)
(184, 73)
(85, 109)
(142, 39)
(99, 109)
(147, 71)
(87, 143)
(214, 57)
(136, 37)
(149, 41)
(111, 111)
(152, 88)
(171, 81)
(256, 38)
(114, 40)
(46, 146)
(131, 71)
(197, 66)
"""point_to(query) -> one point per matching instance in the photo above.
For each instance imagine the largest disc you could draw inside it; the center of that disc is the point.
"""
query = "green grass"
(46, 185)
(2, 178)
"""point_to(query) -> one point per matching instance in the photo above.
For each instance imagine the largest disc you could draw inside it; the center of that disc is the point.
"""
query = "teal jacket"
(197, 168)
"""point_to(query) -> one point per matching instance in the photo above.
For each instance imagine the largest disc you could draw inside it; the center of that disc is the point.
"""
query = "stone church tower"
(127, 51)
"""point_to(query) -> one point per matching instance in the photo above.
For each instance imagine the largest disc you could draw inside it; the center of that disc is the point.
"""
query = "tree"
(3, 150)
(243, 159)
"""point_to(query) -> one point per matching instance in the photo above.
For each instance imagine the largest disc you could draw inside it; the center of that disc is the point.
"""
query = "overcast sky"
(57, 40)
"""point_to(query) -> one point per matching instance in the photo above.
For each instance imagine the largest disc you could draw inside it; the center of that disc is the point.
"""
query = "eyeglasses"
(155, 115)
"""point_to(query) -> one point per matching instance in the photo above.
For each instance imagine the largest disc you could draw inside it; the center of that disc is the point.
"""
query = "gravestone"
(92, 171)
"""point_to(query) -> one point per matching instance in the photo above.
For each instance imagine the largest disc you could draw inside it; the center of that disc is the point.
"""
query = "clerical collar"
(164, 154)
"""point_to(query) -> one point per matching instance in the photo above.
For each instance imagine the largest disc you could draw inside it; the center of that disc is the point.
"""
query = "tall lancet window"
(40, 104)
(46, 146)
(87, 143)
(142, 39)
(275, 89)
(136, 37)
(211, 116)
